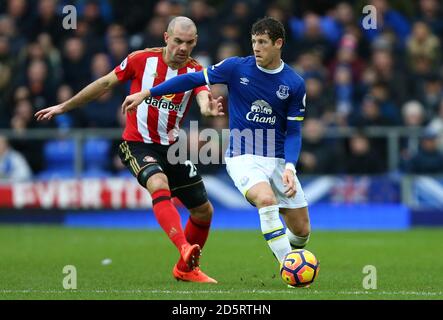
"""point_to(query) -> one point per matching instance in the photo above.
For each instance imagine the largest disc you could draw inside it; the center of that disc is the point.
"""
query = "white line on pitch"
(290, 291)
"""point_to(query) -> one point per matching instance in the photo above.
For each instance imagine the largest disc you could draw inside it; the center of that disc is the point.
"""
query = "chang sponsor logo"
(261, 112)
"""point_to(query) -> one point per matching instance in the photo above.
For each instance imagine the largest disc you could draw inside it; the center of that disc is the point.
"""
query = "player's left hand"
(289, 183)
(215, 106)
(133, 101)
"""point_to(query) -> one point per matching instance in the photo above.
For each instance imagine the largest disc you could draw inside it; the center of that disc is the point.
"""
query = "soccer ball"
(299, 268)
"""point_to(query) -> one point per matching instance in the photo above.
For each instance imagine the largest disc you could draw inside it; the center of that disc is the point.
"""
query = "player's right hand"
(49, 113)
(289, 183)
(132, 102)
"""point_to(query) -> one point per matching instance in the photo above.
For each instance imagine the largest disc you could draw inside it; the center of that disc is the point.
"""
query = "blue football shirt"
(261, 102)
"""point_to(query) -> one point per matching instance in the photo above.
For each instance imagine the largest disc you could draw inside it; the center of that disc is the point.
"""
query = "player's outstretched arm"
(209, 106)
(177, 84)
(292, 152)
(88, 94)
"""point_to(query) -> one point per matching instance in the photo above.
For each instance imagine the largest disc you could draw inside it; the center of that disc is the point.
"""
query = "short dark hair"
(270, 26)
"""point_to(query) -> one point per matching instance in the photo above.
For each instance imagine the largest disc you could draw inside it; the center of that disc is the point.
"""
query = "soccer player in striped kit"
(152, 129)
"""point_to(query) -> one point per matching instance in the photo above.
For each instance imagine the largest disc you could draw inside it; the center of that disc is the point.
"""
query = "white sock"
(296, 241)
(274, 231)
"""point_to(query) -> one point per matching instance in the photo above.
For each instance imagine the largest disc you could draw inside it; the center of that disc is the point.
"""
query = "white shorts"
(247, 170)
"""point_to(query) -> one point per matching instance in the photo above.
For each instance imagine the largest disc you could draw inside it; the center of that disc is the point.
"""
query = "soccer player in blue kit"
(267, 101)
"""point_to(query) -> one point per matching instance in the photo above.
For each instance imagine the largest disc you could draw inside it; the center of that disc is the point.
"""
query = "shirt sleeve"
(296, 114)
(126, 70)
(201, 88)
(297, 106)
(220, 72)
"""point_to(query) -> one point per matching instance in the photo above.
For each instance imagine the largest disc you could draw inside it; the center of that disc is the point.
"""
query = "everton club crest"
(283, 92)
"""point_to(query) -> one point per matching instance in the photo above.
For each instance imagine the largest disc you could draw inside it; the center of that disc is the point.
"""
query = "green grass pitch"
(409, 265)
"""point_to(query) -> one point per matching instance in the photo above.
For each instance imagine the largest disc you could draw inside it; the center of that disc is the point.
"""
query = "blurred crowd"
(389, 76)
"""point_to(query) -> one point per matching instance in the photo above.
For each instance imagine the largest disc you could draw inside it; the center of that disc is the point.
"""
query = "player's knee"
(265, 200)
(152, 176)
(303, 231)
(203, 212)
(300, 238)
(157, 181)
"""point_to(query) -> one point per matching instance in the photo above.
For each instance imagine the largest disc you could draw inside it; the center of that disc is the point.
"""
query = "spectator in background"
(93, 17)
(118, 48)
(230, 31)
(388, 19)
(344, 90)
(422, 44)
(413, 114)
(330, 25)
(362, 159)
(75, 64)
(344, 17)
(22, 119)
(6, 76)
(66, 121)
(20, 12)
(282, 14)
(369, 114)
(317, 95)
(203, 15)
(347, 56)
(318, 156)
(9, 30)
(429, 11)
(48, 21)
(40, 84)
(432, 93)
(227, 50)
(101, 113)
(386, 71)
(13, 166)
(309, 61)
(153, 36)
(436, 124)
(313, 37)
(90, 35)
(380, 91)
(428, 159)
(132, 14)
(51, 55)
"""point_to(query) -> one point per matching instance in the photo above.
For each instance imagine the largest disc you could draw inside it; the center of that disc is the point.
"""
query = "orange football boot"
(195, 275)
(191, 255)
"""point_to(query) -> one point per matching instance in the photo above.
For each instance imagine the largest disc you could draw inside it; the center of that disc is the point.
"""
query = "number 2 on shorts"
(192, 168)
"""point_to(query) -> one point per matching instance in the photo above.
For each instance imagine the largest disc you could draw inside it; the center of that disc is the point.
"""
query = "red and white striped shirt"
(157, 119)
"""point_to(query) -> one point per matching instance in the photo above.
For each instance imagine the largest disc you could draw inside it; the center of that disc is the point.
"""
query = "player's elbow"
(109, 81)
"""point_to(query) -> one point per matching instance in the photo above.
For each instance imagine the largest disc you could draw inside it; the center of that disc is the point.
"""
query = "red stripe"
(187, 107)
(131, 132)
(153, 112)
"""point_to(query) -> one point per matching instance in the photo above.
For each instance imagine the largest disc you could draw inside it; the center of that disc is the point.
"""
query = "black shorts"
(184, 180)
